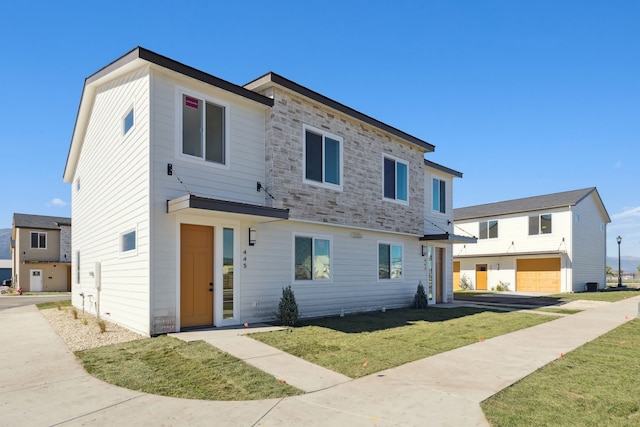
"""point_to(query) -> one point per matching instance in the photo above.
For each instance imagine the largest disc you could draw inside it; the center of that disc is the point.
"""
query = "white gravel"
(84, 332)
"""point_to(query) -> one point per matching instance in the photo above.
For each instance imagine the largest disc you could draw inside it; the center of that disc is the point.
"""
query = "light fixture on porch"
(424, 250)
(252, 236)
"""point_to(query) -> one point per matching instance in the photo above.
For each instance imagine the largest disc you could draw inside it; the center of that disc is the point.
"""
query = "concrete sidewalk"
(43, 384)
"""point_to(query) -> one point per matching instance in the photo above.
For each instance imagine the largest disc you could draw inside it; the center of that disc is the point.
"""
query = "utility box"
(592, 286)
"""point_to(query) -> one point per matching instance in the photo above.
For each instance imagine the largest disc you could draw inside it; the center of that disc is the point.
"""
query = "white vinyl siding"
(115, 182)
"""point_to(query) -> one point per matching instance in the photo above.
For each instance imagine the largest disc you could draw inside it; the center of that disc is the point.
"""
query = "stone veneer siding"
(360, 203)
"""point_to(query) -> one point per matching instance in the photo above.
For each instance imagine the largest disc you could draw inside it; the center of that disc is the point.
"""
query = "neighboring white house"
(195, 201)
(550, 243)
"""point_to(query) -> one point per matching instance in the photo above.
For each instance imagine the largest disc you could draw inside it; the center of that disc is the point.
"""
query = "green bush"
(288, 308)
(465, 283)
(420, 299)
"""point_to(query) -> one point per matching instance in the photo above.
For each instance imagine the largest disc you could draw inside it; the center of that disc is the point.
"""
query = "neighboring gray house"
(550, 243)
(195, 201)
(41, 253)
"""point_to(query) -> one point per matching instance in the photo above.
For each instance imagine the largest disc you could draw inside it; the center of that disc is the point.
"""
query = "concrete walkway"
(42, 384)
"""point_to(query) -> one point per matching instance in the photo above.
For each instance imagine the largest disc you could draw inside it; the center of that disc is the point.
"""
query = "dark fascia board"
(42, 222)
(197, 202)
(178, 67)
(448, 238)
(442, 168)
(286, 83)
(510, 254)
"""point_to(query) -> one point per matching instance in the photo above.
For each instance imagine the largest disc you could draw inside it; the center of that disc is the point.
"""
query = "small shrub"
(502, 286)
(74, 313)
(288, 308)
(102, 326)
(420, 299)
(85, 321)
(465, 283)
(58, 306)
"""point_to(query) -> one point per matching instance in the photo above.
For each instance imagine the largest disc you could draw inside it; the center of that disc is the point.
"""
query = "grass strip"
(362, 344)
(594, 385)
(170, 367)
(54, 304)
(558, 310)
(607, 295)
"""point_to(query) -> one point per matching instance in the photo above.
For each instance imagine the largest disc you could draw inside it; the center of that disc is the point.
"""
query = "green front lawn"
(171, 367)
(594, 385)
(608, 295)
(362, 344)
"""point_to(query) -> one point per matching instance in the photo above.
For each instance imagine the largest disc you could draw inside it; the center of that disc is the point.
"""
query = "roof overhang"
(509, 254)
(448, 238)
(192, 202)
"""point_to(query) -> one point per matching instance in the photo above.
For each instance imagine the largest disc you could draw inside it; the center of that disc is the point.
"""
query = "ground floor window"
(312, 258)
(389, 261)
(430, 272)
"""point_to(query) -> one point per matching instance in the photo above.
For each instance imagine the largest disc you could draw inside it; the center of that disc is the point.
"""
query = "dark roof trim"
(510, 254)
(286, 83)
(197, 202)
(448, 238)
(178, 67)
(442, 168)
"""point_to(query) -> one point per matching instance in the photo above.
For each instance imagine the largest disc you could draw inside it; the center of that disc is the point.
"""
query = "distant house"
(5, 270)
(41, 253)
(550, 243)
(196, 201)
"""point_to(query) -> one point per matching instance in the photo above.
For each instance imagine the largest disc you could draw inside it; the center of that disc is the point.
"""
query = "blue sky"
(524, 98)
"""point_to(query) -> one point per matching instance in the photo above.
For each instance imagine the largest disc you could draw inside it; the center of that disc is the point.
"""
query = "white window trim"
(219, 266)
(406, 163)
(180, 91)
(46, 239)
(540, 233)
(313, 237)
(324, 134)
(132, 252)
(390, 243)
(446, 184)
(126, 133)
(488, 229)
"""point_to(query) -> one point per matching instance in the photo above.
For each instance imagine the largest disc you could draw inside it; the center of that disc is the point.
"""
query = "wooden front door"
(456, 275)
(196, 275)
(481, 277)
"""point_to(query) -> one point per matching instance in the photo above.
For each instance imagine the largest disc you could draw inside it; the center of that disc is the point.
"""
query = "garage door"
(538, 275)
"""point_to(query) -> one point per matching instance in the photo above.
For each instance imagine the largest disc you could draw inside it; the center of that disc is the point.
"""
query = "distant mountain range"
(5, 243)
(628, 264)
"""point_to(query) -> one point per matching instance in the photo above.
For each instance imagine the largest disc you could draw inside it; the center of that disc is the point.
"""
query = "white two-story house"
(550, 243)
(195, 201)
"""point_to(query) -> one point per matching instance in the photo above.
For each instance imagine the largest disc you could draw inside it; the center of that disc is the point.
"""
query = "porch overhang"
(191, 201)
(448, 238)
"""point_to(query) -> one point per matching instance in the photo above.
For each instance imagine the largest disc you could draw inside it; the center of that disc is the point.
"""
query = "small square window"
(389, 261)
(322, 158)
(128, 242)
(312, 258)
(203, 130)
(38, 240)
(128, 122)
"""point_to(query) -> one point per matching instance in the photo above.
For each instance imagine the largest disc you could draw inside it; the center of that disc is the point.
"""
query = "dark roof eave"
(302, 90)
(441, 168)
(448, 238)
(205, 203)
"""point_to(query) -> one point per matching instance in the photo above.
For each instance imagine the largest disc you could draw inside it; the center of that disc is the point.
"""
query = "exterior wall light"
(252, 236)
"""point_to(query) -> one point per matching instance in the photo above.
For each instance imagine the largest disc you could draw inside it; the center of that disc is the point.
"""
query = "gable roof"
(272, 78)
(132, 60)
(40, 221)
(528, 204)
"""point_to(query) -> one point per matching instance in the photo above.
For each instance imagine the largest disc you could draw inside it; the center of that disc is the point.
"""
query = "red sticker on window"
(191, 102)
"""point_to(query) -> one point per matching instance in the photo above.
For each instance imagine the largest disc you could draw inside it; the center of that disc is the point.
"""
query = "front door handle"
(211, 287)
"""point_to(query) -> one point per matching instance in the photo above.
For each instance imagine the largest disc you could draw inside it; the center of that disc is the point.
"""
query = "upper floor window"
(322, 158)
(203, 130)
(312, 258)
(389, 261)
(396, 179)
(489, 229)
(438, 195)
(38, 240)
(540, 224)
(127, 122)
